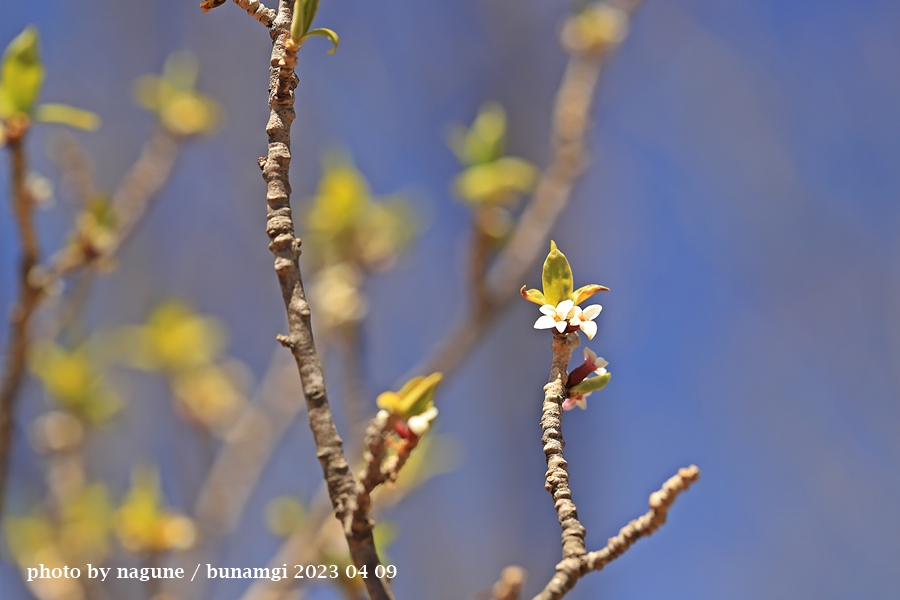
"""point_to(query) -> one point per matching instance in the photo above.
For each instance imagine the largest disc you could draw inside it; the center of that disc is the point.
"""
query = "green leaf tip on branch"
(490, 178)
(21, 74)
(559, 302)
(414, 404)
(556, 278)
(304, 13)
(21, 79)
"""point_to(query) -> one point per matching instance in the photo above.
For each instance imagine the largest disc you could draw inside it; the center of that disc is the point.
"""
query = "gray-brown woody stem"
(570, 570)
(285, 247)
(557, 478)
(29, 298)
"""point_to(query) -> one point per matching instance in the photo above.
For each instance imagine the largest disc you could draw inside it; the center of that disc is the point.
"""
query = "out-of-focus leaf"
(144, 525)
(414, 398)
(67, 115)
(284, 515)
(21, 74)
(72, 379)
(209, 394)
(180, 108)
(175, 337)
(500, 181)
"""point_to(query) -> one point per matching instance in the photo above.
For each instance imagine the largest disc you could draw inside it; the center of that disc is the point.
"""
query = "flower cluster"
(559, 302)
(560, 312)
(580, 385)
(566, 316)
(412, 408)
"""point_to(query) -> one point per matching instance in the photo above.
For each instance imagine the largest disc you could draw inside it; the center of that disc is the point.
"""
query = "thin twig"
(569, 571)
(557, 478)
(129, 203)
(571, 124)
(258, 11)
(29, 297)
(286, 249)
(479, 259)
(352, 385)
(372, 475)
(509, 586)
(246, 448)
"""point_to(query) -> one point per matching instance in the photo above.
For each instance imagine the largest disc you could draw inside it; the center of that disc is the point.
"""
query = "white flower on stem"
(595, 363)
(566, 314)
(584, 319)
(580, 401)
(556, 316)
(421, 423)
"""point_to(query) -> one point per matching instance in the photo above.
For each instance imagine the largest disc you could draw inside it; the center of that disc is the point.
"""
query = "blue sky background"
(741, 205)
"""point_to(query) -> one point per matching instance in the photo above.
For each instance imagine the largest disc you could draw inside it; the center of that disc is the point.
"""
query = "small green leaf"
(326, 33)
(535, 296)
(311, 7)
(414, 398)
(67, 115)
(488, 133)
(21, 74)
(591, 384)
(556, 277)
(586, 291)
(298, 21)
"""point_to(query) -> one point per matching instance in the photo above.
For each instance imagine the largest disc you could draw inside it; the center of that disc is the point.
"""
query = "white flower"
(565, 314)
(596, 363)
(421, 423)
(580, 401)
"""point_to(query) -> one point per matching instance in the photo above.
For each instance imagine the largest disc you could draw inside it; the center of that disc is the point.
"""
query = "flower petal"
(569, 404)
(548, 309)
(545, 322)
(561, 326)
(563, 308)
(589, 328)
(590, 357)
(590, 313)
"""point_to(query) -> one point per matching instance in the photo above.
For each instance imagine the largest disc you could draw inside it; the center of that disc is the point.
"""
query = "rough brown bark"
(570, 570)
(557, 477)
(285, 247)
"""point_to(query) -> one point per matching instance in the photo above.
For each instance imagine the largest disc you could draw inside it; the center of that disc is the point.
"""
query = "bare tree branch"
(285, 247)
(129, 204)
(509, 586)
(557, 478)
(29, 297)
(570, 570)
(258, 11)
